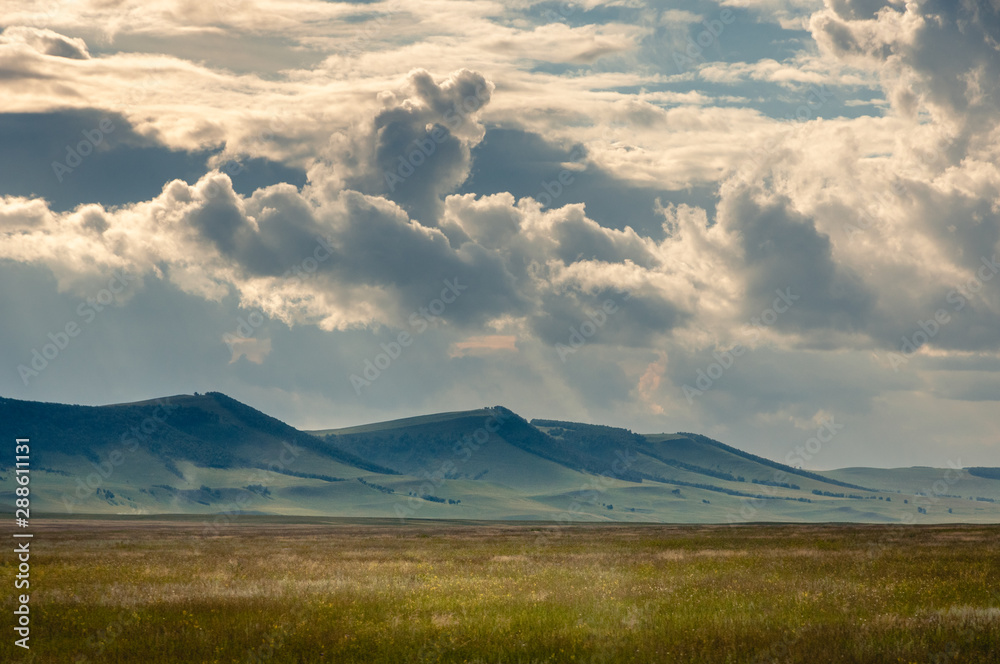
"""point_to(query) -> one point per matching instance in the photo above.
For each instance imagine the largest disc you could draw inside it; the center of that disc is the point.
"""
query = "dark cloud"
(122, 166)
(579, 239)
(286, 230)
(980, 387)
(783, 250)
(382, 246)
(765, 380)
(418, 148)
(942, 51)
(363, 241)
(42, 157)
(427, 163)
(210, 249)
(250, 174)
(631, 319)
(525, 164)
(220, 220)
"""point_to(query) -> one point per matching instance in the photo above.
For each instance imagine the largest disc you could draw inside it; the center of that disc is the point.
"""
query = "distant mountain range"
(212, 455)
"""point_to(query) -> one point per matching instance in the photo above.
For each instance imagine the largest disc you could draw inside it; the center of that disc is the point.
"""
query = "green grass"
(404, 422)
(919, 478)
(319, 590)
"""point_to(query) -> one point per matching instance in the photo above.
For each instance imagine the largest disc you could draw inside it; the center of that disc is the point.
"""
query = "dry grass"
(157, 592)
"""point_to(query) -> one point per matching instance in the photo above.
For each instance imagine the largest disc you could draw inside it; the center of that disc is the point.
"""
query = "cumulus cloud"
(939, 56)
(418, 146)
(370, 264)
(353, 259)
(783, 252)
(427, 138)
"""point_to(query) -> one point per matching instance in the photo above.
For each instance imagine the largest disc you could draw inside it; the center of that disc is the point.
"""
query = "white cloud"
(873, 221)
(46, 42)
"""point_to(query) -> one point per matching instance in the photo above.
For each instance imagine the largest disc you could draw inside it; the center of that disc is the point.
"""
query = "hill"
(212, 455)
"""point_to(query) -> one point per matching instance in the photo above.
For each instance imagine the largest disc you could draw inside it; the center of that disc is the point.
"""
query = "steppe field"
(262, 589)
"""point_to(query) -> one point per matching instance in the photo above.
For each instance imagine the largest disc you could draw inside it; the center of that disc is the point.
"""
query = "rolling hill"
(210, 454)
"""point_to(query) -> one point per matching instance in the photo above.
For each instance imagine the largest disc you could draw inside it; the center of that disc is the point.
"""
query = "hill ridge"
(212, 454)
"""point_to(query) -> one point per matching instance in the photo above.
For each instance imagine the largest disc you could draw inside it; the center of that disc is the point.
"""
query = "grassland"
(157, 591)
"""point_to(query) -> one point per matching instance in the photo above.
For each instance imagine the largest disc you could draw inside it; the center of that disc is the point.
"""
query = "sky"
(759, 220)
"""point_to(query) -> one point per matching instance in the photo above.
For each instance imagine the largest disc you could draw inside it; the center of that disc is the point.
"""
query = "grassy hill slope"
(212, 455)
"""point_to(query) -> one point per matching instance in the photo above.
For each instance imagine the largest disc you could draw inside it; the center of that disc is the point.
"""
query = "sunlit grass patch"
(440, 593)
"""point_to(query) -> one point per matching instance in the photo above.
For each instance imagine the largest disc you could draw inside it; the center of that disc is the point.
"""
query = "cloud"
(371, 264)
(783, 252)
(648, 387)
(488, 343)
(392, 240)
(418, 146)
(935, 55)
(46, 42)
(802, 71)
(66, 156)
(384, 151)
(254, 350)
